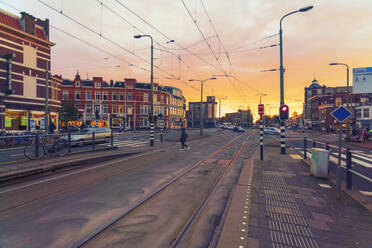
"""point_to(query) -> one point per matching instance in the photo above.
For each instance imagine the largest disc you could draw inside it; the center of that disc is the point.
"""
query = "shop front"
(37, 120)
(16, 120)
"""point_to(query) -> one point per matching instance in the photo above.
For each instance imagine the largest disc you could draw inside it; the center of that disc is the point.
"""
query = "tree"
(69, 111)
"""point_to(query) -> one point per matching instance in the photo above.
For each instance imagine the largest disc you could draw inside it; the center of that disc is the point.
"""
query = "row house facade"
(25, 52)
(120, 103)
(323, 105)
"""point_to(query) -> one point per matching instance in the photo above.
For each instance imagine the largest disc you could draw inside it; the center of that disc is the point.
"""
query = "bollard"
(93, 140)
(69, 143)
(112, 138)
(161, 131)
(261, 140)
(348, 168)
(37, 145)
(305, 152)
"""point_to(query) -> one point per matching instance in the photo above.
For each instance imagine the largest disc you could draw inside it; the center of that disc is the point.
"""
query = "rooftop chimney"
(28, 23)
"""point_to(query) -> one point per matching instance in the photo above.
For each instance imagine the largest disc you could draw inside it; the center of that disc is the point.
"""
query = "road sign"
(260, 109)
(341, 113)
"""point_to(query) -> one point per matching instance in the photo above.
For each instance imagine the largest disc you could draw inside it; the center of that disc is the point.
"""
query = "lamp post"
(152, 88)
(347, 96)
(282, 125)
(201, 100)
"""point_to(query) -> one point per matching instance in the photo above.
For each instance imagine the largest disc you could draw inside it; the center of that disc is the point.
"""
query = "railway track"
(89, 241)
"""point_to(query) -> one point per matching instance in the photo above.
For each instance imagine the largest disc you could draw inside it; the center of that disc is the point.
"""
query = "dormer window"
(98, 85)
(77, 84)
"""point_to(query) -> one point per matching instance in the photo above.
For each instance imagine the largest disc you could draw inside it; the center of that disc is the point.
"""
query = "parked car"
(271, 130)
(239, 129)
(85, 136)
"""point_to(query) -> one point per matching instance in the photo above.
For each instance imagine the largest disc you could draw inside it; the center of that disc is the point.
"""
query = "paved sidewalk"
(284, 206)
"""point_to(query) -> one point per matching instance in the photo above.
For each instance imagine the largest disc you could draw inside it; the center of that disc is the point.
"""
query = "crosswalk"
(130, 143)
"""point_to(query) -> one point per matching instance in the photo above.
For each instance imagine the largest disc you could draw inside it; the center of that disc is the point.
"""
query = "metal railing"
(353, 163)
(13, 146)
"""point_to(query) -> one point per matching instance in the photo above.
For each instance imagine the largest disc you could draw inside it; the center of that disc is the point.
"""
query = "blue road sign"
(341, 113)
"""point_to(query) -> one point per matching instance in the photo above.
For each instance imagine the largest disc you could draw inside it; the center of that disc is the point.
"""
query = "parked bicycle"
(37, 148)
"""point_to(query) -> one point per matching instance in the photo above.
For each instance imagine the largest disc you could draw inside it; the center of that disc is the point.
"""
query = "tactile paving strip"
(288, 227)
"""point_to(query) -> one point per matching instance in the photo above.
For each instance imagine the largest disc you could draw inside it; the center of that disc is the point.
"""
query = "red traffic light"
(284, 108)
(283, 112)
(260, 109)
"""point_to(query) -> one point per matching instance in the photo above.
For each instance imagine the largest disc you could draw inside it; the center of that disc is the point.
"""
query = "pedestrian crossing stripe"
(132, 143)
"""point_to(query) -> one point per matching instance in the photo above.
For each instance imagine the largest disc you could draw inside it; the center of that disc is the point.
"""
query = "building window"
(98, 96)
(89, 95)
(105, 96)
(358, 113)
(162, 99)
(121, 96)
(130, 96)
(97, 109)
(130, 110)
(144, 109)
(143, 122)
(145, 97)
(121, 109)
(366, 113)
(105, 108)
(97, 85)
(89, 108)
(77, 95)
(77, 84)
(114, 96)
(65, 95)
(114, 109)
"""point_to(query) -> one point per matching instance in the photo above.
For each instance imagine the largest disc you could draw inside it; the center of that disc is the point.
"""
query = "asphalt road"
(61, 209)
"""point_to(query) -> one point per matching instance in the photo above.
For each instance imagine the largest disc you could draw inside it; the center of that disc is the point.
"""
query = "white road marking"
(367, 193)
(325, 185)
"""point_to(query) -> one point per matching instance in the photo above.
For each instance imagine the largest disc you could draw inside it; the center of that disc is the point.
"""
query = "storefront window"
(16, 120)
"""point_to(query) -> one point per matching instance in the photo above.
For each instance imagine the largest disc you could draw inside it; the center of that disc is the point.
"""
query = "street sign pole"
(338, 173)
(340, 114)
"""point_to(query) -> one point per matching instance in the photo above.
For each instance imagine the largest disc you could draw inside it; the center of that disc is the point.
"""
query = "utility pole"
(46, 114)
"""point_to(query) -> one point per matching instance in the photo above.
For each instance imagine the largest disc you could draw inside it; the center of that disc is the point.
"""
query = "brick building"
(25, 50)
(126, 102)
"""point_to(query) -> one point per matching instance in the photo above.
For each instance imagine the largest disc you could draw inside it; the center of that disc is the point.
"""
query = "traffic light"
(283, 112)
(260, 109)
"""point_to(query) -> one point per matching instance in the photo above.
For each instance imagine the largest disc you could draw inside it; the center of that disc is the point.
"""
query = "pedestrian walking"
(183, 140)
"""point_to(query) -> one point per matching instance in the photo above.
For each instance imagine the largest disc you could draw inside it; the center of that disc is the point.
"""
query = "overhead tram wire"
(210, 48)
(132, 25)
(176, 43)
(114, 43)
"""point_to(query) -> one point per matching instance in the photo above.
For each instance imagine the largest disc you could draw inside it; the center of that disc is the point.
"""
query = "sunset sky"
(333, 31)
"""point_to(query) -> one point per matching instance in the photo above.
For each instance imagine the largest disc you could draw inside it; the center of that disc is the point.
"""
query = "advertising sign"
(362, 80)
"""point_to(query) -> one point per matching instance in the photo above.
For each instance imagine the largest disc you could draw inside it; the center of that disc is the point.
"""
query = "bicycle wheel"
(31, 152)
(60, 147)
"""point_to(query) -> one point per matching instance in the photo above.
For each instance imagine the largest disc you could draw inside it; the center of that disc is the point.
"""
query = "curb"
(72, 153)
(60, 165)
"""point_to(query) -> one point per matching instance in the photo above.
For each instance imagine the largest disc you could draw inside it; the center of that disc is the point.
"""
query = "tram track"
(89, 240)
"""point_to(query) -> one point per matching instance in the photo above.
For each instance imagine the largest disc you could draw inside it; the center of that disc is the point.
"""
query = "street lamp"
(282, 125)
(261, 95)
(201, 100)
(152, 88)
(347, 96)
